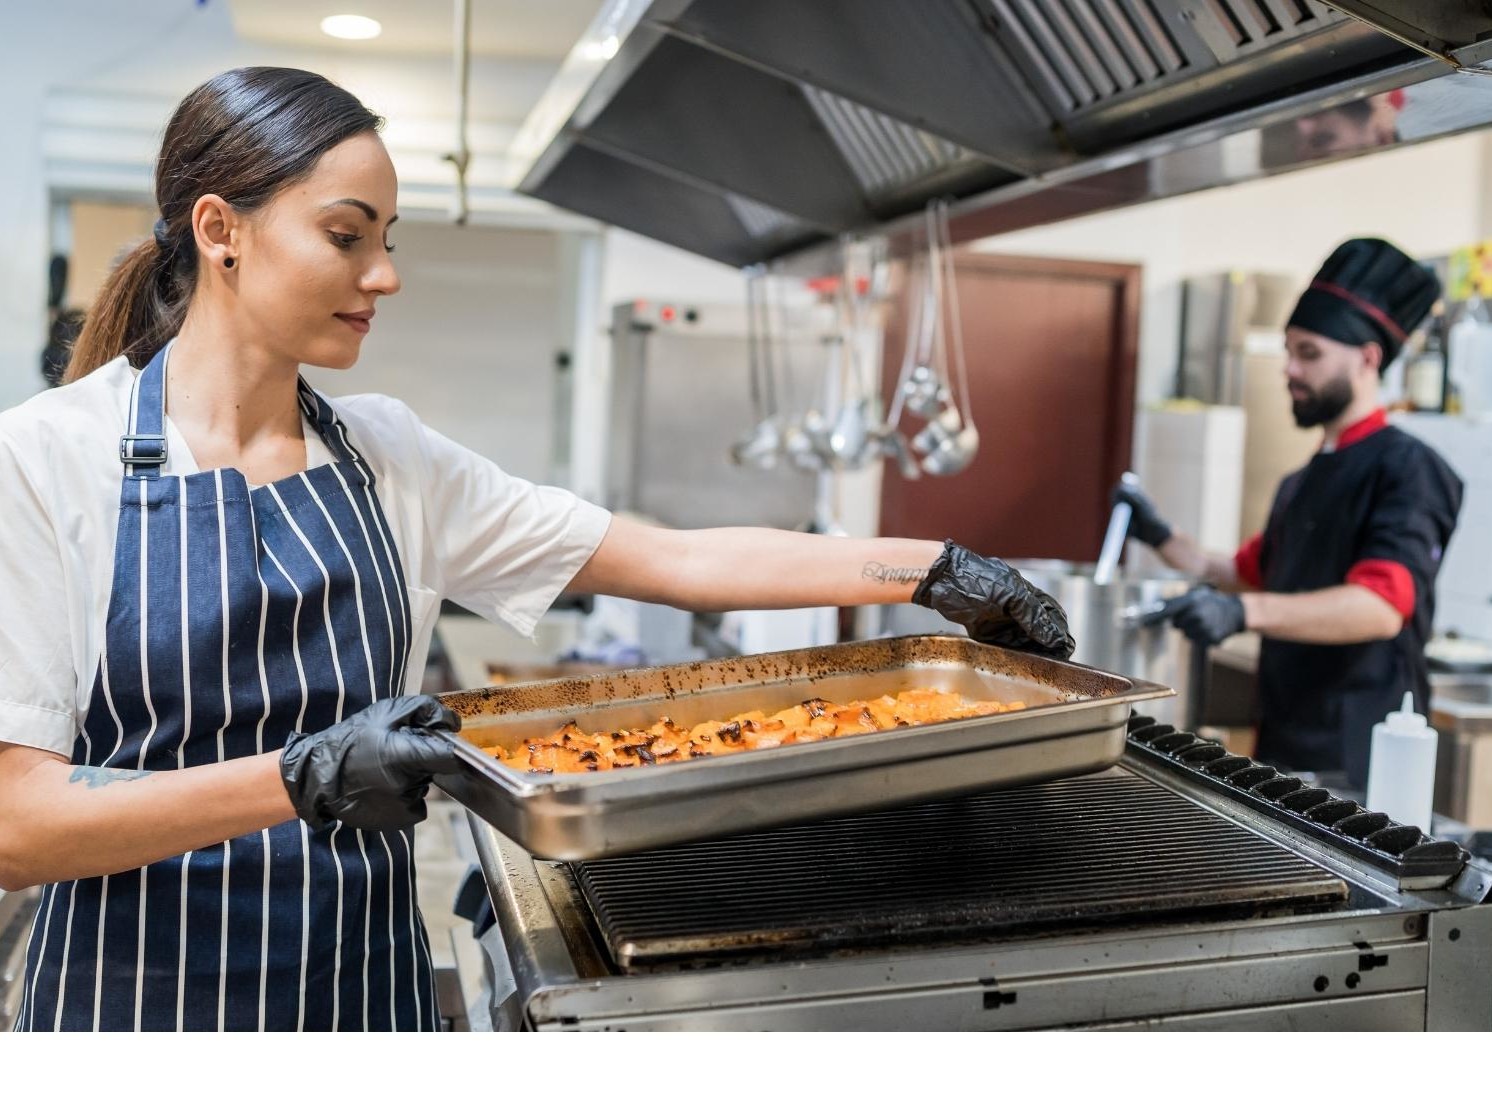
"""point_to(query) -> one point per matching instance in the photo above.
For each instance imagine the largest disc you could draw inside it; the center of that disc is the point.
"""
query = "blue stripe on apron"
(237, 616)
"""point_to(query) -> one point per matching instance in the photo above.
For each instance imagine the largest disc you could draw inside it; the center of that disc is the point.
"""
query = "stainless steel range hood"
(746, 130)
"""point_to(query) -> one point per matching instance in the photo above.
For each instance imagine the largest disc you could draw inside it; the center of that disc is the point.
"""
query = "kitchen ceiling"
(536, 29)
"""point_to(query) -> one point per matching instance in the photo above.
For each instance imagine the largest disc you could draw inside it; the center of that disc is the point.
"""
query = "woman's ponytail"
(139, 308)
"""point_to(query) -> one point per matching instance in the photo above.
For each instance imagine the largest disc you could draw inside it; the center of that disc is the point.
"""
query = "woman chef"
(218, 586)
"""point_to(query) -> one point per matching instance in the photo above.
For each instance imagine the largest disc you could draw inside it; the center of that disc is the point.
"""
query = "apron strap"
(331, 429)
(142, 449)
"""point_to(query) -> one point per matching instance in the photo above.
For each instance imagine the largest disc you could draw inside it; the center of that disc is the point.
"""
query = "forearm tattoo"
(880, 573)
(97, 777)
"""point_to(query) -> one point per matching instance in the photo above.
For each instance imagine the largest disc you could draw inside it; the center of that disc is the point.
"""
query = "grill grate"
(1108, 847)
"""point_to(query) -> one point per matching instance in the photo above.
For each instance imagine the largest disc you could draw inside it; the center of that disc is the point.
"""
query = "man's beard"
(1322, 405)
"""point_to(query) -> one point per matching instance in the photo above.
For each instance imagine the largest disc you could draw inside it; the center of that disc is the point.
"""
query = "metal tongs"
(1113, 539)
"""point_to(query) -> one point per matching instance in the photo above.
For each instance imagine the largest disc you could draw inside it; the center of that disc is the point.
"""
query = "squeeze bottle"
(1401, 767)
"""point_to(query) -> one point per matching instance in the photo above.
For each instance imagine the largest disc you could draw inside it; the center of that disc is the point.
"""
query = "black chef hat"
(1367, 291)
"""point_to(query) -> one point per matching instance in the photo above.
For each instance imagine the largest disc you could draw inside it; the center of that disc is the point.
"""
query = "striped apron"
(237, 616)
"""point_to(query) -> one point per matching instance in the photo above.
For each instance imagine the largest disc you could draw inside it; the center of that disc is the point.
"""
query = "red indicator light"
(667, 313)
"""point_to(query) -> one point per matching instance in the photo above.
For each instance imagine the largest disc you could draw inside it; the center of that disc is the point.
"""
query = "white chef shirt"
(500, 546)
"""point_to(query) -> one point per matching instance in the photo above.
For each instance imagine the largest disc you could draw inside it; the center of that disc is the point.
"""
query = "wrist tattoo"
(880, 573)
(99, 776)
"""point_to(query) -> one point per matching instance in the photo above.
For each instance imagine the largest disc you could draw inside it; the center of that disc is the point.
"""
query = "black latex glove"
(1205, 614)
(994, 602)
(371, 770)
(1145, 522)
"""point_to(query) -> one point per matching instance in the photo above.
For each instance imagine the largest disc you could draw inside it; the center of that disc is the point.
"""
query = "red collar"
(1362, 429)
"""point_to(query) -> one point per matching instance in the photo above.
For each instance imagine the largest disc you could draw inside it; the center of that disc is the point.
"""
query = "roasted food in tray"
(1055, 719)
(572, 750)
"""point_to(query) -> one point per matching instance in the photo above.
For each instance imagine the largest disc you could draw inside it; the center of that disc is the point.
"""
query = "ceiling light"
(351, 27)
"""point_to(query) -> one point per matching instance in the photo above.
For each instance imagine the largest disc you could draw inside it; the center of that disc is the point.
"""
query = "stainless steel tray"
(1074, 723)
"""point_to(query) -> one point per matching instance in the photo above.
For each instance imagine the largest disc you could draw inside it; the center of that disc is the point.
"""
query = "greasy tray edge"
(665, 681)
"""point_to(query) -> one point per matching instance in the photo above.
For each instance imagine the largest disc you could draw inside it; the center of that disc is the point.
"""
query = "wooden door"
(1051, 350)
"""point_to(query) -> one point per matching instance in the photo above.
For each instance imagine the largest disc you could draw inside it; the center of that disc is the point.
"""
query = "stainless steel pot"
(1102, 618)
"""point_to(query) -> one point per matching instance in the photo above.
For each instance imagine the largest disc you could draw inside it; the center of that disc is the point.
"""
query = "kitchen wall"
(100, 232)
(1427, 198)
(1464, 589)
(470, 341)
(640, 268)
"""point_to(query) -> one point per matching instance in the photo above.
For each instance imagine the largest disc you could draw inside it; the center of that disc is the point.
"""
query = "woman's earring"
(227, 262)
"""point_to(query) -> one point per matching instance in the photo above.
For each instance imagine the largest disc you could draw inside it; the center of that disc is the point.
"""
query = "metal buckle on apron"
(130, 455)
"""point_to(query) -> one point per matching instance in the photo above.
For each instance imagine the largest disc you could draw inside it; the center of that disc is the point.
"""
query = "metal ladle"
(889, 441)
(947, 444)
(926, 393)
(951, 441)
(812, 439)
(764, 443)
(953, 451)
(803, 434)
(893, 444)
(851, 441)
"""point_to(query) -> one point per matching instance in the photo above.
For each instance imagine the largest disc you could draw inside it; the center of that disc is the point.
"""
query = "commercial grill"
(1183, 888)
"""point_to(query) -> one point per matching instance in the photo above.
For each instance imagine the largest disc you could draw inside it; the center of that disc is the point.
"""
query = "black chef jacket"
(1384, 502)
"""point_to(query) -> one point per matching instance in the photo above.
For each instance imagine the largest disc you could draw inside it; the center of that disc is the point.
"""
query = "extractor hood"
(746, 130)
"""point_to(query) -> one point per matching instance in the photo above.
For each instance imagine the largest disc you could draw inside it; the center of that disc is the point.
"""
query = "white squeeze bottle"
(1401, 768)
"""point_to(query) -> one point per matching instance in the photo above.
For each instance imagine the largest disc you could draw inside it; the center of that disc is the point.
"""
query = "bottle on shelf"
(1424, 378)
(1470, 357)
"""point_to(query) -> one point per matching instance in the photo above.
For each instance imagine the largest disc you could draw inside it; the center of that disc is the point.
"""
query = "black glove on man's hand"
(371, 770)
(1145, 522)
(994, 603)
(1205, 614)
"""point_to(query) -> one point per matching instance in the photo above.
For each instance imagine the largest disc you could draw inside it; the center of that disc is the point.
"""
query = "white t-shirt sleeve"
(38, 679)
(504, 547)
